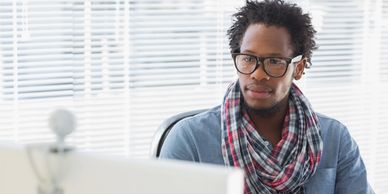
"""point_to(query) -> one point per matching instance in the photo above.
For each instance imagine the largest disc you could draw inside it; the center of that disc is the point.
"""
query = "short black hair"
(276, 13)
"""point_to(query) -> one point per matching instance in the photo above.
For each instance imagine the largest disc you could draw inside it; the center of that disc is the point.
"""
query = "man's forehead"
(271, 40)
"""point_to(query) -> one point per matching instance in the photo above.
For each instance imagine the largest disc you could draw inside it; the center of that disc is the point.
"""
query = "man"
(265, 124)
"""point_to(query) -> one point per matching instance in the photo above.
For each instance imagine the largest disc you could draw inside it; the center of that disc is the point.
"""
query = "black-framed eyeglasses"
(273, 66)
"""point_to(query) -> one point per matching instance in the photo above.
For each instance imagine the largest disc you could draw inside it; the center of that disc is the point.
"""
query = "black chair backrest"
(164, 128)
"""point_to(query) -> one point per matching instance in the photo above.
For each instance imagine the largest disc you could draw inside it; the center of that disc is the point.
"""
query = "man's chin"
(262, 111)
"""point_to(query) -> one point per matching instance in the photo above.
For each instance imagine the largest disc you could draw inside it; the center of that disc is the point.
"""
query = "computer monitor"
(85, 173)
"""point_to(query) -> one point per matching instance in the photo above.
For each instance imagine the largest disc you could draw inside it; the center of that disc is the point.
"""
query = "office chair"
(164, 128)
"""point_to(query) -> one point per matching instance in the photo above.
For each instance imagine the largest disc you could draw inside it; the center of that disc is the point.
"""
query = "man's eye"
(249, 59)
(276, 61)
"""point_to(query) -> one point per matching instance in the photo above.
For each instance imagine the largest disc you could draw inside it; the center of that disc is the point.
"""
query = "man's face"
(260, 91)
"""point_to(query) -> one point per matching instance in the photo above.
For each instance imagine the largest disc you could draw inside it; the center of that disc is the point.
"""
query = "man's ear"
(299, 69)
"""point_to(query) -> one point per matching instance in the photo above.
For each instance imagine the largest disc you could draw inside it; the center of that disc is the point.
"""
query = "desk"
(85, 173)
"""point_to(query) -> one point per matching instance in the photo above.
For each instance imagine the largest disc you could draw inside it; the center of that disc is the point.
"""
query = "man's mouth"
(257, 91)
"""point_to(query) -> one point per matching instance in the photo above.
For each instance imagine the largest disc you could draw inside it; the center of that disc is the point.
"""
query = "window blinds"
(381, 160)
(345, 81)
(123, 66)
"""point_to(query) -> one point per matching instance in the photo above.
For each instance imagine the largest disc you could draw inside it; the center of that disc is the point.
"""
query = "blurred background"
(122, 66)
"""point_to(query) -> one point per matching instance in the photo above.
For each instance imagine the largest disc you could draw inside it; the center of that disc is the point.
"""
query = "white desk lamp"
(62, 122)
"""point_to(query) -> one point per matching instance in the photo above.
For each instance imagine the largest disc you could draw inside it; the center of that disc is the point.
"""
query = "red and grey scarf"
(287, 166)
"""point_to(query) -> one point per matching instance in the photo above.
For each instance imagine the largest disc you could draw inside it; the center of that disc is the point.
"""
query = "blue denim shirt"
(340, 171)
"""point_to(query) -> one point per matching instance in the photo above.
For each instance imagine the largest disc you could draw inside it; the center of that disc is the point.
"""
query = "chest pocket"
(322, 182)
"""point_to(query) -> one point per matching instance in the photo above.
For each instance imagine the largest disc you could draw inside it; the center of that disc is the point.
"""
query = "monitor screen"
(85, 173)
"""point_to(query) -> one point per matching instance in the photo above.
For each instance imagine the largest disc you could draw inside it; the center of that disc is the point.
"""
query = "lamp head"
(62, 122)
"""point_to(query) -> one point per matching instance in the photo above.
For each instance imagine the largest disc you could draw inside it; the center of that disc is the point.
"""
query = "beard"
(265, 112)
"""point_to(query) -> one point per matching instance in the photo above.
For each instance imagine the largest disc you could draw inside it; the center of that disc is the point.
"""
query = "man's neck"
(270, 126)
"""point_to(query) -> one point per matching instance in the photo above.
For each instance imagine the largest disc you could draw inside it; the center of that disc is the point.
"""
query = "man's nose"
(259, 74)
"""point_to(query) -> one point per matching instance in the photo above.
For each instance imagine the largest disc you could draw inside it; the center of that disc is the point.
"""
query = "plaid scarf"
(285, 168)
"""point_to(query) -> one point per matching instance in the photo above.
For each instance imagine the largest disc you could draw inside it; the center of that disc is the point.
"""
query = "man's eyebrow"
(267, 55)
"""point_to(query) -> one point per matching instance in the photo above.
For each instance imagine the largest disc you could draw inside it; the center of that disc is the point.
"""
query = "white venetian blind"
(382, 103)
(123, 66)
(68, 54)
(179, 60)
(345, 81)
